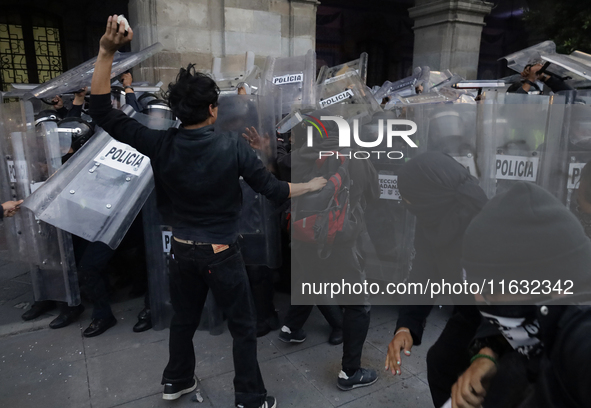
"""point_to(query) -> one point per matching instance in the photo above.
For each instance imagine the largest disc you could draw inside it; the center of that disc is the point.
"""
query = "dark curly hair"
(190, 96)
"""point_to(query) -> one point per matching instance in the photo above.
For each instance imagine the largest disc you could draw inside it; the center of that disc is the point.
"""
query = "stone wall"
(195, 31)
(447, 34)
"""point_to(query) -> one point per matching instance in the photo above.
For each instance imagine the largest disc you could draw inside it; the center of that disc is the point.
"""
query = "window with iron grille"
(31, 48)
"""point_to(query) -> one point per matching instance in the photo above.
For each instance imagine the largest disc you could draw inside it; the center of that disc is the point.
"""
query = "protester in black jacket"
(564, 375)
(542, 355)
(444, 197)
(196, 171)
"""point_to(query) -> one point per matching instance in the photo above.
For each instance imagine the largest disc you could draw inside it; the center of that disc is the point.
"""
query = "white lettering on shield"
(517, 168)
(166, 241)
(574, 174)
(122, 157)
(288, 79)
(336, 98)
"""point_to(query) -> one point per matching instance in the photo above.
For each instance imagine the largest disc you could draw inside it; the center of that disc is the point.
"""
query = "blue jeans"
(193, 271)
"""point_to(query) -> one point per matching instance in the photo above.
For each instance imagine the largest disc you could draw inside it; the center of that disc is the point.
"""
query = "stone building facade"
(447, 33)
(196, 31)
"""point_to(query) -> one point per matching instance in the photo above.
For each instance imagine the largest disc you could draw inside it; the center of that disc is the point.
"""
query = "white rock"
(122, 19)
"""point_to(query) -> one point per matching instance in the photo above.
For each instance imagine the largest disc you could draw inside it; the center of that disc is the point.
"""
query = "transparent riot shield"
(80, 76)
(574, 67)
(348, 89)
(157, 237)
(526, 133)
(577, 70)
(405, 87)
(98, 193)
(435, 96)
(15, 181)
(259, 222)
(229, 72)
(296, 78)
(577, 145)
(158, 240)
(359, 65)
(34, 154)
(518, 60)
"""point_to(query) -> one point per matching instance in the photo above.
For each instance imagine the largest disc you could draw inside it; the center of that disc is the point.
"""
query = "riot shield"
(518, 60)
(229, 72)
(34, 154)
(296, 78)
(577, 135)
(526, 132)
(406, 86)
(80, 76)
(403, 87)
(573, 67)
(445, 94)
(348, 89)
(577, 70)
(359, 65)
(158, 238)
(98, 192)
(259, 222)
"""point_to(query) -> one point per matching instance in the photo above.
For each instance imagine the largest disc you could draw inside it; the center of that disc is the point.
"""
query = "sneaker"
(287, 336)
(270, 402)
(174, 391)
(362, 378)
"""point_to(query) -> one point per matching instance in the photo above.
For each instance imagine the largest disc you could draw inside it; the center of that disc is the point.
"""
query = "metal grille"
(30, 48)
(48, 50)
(13, 59)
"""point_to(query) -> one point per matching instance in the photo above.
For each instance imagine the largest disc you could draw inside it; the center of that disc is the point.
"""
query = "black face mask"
(523, 310)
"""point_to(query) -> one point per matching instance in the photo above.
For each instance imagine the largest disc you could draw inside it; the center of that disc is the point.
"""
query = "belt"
(189, 242)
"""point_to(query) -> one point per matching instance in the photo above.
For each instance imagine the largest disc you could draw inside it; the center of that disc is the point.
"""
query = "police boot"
(144, 321)
(67, 316)
(38, 309)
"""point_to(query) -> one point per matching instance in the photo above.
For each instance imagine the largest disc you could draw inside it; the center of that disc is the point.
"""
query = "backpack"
(327, 216)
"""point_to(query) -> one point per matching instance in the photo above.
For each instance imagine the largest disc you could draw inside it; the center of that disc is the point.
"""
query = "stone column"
(302, 27)
(195, 31)
(447, 34)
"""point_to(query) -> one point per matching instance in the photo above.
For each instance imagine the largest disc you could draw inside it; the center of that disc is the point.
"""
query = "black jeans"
(194, 269)
(356, 318)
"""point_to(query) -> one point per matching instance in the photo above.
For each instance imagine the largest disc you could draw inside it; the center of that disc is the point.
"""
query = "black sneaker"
(174, 391)
(362, 378)
(270, 402)
(288, 336)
